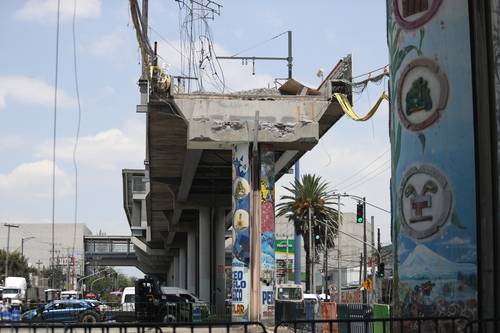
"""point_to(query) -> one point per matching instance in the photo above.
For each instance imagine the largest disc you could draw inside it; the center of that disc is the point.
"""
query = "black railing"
(380, 325)
(220, 327)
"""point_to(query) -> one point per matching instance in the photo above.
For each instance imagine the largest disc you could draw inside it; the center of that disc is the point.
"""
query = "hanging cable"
(369, 174)
(54, 138)
(370, 72)
(369, 179)
(259, 44)
(362, 169)
(347, 108)
(77, 135)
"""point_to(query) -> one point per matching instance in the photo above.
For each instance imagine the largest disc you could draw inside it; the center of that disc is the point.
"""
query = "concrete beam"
(285, 159)
(290, 121)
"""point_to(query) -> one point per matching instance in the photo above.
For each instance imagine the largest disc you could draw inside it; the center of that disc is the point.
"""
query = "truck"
(155, 303)
(14, 292)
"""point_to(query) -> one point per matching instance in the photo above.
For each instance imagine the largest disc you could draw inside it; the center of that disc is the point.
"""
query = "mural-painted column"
(267, 231)
(241, 235)
(433, 187)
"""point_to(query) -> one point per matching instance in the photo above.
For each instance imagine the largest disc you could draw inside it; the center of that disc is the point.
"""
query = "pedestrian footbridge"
(123, 251)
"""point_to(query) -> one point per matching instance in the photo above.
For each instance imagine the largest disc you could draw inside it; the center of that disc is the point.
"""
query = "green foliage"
(18, 265)
(310, 193)
(55, 274)
(104, 283)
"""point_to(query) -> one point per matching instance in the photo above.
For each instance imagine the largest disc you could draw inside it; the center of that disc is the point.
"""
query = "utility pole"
(297, 256)
(311, 254)
(364, 248)
(360, 266)
(339, 271)
(8, 244)
(22, 243)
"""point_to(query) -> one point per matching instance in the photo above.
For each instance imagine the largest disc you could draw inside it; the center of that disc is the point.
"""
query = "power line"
(362, 169)
(77, 137)
(370, 72)
(371, 178)
(259, 44)
(54, 138)
(384, 164)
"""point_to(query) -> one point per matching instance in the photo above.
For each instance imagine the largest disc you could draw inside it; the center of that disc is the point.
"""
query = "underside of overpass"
(179, 207)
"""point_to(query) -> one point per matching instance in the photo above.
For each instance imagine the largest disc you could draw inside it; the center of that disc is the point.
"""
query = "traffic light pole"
(311, 255)
(364, 249)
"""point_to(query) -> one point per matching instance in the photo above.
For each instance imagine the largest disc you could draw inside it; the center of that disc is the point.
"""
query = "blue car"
(66, 311)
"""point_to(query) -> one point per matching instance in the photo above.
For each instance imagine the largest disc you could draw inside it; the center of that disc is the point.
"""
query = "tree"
(106, 282)
(18, 264)
(310, 193)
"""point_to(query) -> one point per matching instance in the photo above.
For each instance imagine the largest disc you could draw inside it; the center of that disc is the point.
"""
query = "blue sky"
(112, 134)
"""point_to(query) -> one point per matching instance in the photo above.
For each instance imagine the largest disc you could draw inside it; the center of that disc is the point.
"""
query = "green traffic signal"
(317, 237)
(360, 220)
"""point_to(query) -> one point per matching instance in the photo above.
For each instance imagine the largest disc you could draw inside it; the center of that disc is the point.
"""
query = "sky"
(112, 134)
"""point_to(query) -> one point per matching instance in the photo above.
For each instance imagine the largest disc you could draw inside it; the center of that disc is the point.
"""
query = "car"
(66, 311)
(128, 299)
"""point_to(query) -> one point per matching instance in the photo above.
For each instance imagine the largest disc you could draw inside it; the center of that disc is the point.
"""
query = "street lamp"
(8, 243)
(22, 243)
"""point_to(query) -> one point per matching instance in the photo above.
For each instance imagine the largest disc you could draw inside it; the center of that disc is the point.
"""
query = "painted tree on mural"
(310, 193)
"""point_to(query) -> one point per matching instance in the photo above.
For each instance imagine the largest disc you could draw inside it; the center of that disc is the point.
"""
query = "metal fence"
(227, 327)
(383, 325)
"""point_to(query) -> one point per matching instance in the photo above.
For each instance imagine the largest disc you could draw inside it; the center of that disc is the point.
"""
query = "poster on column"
(433, 159)
(241, 236)
(267, 231)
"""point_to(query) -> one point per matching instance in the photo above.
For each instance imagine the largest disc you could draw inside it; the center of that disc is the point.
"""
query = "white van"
(128, 299)
(178, 295)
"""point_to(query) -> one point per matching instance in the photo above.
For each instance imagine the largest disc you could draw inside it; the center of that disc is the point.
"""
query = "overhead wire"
(362, 169)
(370, 179)
(384, 164)
(370, 72)
(54, 137)
(77, 134)
(259, 44)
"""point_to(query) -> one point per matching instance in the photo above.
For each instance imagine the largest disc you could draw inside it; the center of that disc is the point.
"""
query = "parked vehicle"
(289, 292)
(128, 299)
(66, 311)
(15, 290)
(166, 304)
(52, 295)
(71, 294)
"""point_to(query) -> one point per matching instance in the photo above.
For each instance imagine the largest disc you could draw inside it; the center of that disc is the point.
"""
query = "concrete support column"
(204, 254)
(175, 264)
(191, 261)
(267, 233)
(219, 260)
(241, 234)
(182, 267)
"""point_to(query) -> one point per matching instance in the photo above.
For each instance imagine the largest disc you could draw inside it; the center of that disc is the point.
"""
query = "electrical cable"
(370, 72)
(77, 135)
(54, 138)
(384, 164)
(363, 168)
(370, 179)
(259, 44)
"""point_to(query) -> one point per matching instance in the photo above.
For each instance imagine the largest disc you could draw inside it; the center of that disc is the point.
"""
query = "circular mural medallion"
(422, 94)
(425, 201)
(240, 220)
(241, 188)
(411, 14)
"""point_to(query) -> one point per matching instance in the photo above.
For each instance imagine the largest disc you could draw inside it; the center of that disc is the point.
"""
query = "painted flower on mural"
(267, 217)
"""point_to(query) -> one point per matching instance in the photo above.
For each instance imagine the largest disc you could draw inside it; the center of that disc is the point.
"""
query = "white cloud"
(108, 44)
(46, 10)
(107, 150)
(34, 180)
(29, 91)
(237, 77)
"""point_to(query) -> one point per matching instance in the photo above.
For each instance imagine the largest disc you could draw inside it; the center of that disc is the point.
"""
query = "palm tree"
(310, 193)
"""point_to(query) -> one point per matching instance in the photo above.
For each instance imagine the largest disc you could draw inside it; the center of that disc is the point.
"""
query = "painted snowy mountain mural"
(423, 263)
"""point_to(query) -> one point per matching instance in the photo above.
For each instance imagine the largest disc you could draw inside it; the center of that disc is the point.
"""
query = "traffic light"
(317, 235)
(381, 270)
(359, 213)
